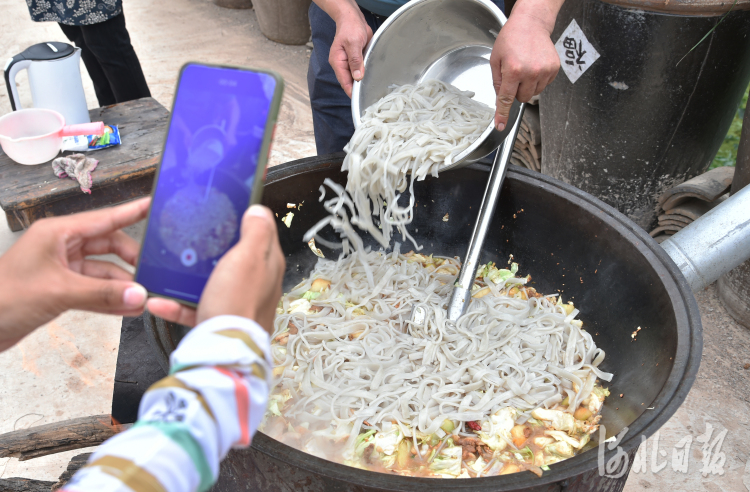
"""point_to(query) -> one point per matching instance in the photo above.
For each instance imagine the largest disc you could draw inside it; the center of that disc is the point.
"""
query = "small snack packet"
(110, 138)
(82, 143)
(77, 143)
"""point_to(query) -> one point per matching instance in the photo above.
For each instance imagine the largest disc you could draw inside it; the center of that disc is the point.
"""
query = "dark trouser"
(110, 60)
(331, 107)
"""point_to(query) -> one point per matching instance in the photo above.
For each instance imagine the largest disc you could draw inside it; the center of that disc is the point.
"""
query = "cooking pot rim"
(682, 375)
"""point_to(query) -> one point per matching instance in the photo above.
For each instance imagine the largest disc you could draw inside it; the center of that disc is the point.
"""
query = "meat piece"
(467, 456)
(469, 450)
(486, 453)
(282, 338)
(368, 454)
(468, 441)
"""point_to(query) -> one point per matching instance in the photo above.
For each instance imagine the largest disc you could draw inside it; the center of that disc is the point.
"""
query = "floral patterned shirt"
(74, 12)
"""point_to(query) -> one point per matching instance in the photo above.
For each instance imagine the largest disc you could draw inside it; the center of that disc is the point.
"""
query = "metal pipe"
(461, 295)
(715, 243)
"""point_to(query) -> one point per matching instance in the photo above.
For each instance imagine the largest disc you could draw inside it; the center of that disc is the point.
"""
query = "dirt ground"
(66, 368)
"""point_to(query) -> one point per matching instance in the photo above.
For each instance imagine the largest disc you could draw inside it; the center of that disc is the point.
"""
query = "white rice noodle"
(379, 367)
(412, 130)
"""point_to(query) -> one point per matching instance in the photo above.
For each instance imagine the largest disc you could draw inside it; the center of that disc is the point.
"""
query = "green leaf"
(727, 154)
(527, 453)
(310, 295)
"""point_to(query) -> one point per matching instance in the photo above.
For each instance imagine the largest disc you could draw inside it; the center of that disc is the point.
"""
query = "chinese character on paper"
(575, 51)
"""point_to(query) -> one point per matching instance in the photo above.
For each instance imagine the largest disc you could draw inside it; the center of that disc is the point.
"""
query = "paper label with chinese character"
(575, 51)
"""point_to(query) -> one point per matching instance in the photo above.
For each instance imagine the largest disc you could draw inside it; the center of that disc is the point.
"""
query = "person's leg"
(109, 41)
(331, 107)
(101, 85)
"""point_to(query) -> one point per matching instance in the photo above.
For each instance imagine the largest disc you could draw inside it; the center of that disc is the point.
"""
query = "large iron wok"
(570, 242)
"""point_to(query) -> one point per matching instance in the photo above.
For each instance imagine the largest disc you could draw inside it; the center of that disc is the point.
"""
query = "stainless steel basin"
(447, 40)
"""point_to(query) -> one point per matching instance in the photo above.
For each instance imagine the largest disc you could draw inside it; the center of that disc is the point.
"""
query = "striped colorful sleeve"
(213, 399)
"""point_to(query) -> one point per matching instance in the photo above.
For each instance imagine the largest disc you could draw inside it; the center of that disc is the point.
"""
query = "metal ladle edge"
(461, 295)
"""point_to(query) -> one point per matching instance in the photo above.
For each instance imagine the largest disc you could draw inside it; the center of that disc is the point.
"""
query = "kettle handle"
(96, 128)
(14, 65)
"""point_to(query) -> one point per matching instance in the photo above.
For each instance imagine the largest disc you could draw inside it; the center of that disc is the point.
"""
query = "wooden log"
(57, 437)
(74, 465)
(28, 485)
(37, 453)
(24, 485)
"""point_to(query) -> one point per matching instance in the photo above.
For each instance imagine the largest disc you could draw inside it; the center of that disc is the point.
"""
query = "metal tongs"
(461, 296)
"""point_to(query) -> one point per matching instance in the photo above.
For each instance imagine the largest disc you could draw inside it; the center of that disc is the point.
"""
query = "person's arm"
(348, 48)
(47, 271)
(524, 60)
(216, 394)
(213, 400)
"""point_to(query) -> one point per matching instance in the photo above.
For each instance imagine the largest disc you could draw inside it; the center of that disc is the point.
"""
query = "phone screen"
(205, 178)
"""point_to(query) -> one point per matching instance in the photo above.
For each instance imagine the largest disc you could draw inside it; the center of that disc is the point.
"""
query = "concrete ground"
(65, 369)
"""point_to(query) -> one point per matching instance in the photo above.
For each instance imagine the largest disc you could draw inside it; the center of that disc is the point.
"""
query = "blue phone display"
(206, 176)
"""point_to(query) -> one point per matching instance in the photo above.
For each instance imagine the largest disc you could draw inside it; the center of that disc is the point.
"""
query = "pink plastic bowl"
(34, 136)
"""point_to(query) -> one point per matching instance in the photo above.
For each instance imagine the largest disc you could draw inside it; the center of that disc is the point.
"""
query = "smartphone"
(212, 168)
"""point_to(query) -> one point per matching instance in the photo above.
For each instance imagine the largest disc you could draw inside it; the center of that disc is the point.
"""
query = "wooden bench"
(126, 171)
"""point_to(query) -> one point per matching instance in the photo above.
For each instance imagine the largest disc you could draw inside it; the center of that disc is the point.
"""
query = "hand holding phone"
(246, 282)
(212, 168)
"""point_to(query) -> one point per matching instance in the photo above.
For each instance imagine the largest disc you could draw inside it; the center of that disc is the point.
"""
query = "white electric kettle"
(55, 80)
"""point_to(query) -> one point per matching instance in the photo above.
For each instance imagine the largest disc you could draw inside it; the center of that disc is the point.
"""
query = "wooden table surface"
(126, 171)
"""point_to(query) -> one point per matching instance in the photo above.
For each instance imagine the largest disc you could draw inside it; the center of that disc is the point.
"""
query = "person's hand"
(347, 50)
(246, 282)
(47, 271)
(524, 61)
